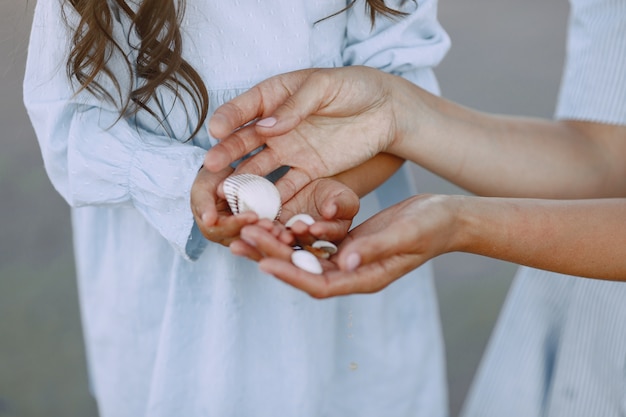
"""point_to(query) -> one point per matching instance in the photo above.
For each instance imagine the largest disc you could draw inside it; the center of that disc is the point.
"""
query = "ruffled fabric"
(176, 325)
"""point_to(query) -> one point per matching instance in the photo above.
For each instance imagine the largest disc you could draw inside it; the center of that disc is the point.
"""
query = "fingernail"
(216, 119)
(353, 261)
(267, 122)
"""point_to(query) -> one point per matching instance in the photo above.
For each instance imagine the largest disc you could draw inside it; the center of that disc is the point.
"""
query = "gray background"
(506, 58)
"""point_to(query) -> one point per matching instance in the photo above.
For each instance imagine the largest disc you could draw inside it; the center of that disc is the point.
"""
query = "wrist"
(413, 113)
(468, 222)
(400, 99)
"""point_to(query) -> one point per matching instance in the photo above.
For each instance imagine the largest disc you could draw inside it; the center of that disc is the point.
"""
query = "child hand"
(331, 203)
(211, 212)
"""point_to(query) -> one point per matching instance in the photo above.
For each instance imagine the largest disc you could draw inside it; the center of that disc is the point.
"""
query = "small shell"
(248, 192)
(326, 246)
(322, 249)
(306, 261)
(303, 217)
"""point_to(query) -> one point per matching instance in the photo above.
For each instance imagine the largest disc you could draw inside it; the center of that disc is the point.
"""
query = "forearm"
(576, 237)
(508, 156)
(368, 176)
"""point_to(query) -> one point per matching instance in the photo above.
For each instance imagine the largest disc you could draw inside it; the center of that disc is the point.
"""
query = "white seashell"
(322, 249)
(248, 192)
(326, 246)
(303, 217)
(307, 261)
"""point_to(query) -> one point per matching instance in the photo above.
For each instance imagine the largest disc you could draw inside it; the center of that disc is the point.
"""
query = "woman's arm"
(350, 114)
(578, 237)
(500, 155)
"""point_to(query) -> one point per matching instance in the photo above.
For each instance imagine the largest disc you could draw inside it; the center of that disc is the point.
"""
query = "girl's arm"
(95, 158)
(371, 174)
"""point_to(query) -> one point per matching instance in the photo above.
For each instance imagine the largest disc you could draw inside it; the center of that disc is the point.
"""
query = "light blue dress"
(177, 326)
(559, 347)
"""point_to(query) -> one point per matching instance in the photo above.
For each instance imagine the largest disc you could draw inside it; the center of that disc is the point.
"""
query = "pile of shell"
(248, 192)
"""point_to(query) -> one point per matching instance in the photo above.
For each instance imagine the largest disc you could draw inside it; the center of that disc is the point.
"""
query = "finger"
(232, 148)
(286, 237)
(292, 182)
(310, 95)
(236, 113)
(203, 201)
(260, 101)
(367, 279)
(329, 284)
(228, 229)
(265, 242)
(375, 247)
(261, 163)
(241, 248)
(299, 228)
(277, 230)
(266, 224)
(343, 205)
(334, 231)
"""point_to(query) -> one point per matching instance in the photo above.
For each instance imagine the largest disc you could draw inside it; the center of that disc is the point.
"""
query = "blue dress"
(559, 347)
(177, 326)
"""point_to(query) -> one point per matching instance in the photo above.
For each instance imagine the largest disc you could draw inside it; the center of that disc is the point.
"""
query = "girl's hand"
(211, 212)
(331, 203)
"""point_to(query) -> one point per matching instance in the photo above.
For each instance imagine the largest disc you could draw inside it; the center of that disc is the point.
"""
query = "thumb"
(344, 205)
(370, 248)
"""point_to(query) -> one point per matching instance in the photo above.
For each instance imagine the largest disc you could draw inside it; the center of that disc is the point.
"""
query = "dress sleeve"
(94, 158)
(593, 86)
(409, 46)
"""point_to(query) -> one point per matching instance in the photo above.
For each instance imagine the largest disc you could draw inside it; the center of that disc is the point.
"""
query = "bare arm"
(350, 114)
(509, 156)
(578, 237)
(368, 176)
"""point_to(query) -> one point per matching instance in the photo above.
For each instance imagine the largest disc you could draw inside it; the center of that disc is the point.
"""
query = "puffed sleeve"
(593, 86)
(409, 46)
(93, 157)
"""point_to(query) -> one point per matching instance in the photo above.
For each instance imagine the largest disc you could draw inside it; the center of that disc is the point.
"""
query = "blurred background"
(506, 57)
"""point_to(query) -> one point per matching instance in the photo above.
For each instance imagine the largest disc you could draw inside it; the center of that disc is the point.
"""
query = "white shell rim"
(307, 261)
(249, 192)
(303, 217)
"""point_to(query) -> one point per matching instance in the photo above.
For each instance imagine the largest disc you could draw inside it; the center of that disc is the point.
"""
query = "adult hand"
(374, 254)
(320, 122)
(211, 212)
(332, 204)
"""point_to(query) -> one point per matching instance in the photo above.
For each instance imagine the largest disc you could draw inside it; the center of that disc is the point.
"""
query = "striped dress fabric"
(559, 347)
